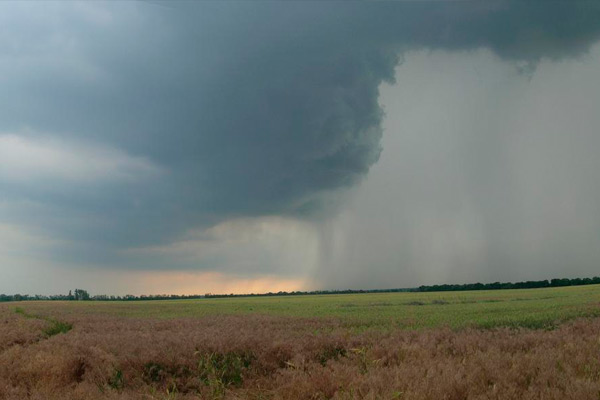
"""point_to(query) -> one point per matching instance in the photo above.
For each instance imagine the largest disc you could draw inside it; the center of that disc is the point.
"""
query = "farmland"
(533, 308)
(513, 344)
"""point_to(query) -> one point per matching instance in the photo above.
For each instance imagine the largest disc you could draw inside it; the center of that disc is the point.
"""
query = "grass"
(57, 327)
(54, 326)
(220, 371)
(377, 346)
(116, 381)
(530, 308)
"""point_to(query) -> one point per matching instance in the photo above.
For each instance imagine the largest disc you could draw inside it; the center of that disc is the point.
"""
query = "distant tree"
(81, 294)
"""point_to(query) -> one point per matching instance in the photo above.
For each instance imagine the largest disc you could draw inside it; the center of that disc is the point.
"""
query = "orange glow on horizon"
(162, 282)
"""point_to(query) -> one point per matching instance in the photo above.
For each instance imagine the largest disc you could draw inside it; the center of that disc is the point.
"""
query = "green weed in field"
(219, 370)
(117, 380)
(55, 327)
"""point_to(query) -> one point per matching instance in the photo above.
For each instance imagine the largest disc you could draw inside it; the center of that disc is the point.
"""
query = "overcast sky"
(165, 147)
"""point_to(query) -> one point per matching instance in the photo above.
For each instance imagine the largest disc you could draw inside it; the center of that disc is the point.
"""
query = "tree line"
(511, 285)
(312, 292)
(83, 295)
(80, 294)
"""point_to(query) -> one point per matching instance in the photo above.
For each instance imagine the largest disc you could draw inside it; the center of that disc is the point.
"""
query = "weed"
(364, 362)
(153, 372)
(57, 327)
(117, 380)
(21, 311)
(172, 390)
(219, 370)
(331, 353)
(79, 370)
(415, 303)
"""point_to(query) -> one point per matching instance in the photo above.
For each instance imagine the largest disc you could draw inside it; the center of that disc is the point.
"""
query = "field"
(507, 344)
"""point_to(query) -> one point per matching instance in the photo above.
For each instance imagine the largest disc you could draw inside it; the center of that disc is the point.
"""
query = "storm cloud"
(130, 125)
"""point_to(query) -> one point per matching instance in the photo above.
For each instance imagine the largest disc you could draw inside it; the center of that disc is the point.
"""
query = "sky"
(190, 147)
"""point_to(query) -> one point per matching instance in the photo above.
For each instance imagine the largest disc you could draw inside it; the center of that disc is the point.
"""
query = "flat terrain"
(533, 308)
(506, 344)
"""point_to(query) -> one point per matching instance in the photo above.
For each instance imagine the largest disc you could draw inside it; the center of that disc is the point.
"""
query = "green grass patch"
(22, 311)
(117, 380)
(57, 327)
(54, 326)
(223, 369)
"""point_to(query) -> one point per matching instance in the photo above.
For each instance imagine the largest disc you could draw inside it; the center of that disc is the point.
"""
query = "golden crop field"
(505, 344)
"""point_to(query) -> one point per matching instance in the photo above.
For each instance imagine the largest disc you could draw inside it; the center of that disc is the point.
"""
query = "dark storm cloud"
(244, 108)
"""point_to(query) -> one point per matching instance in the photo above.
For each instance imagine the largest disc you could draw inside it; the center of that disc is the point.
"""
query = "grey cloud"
(250, 108)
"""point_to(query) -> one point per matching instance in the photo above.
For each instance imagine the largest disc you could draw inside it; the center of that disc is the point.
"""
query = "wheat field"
(509, 344)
